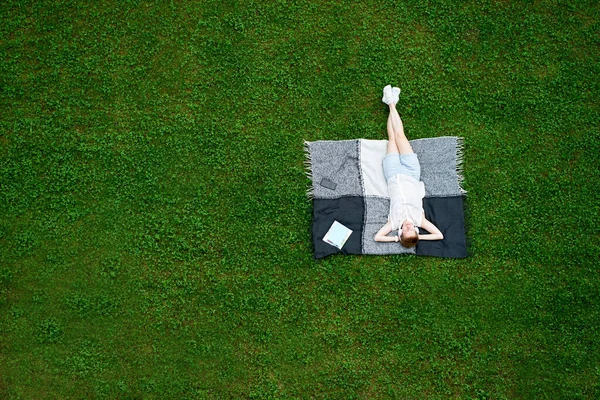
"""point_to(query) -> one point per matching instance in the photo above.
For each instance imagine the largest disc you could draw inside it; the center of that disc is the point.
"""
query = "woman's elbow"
(379, 238)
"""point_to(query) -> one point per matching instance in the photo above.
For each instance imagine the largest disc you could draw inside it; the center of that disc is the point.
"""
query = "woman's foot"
(388, 95)
(395, 95)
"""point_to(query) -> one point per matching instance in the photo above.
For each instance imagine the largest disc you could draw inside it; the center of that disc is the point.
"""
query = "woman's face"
(408, 228)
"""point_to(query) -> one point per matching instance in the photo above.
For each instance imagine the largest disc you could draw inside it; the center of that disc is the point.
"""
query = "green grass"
(155, 234)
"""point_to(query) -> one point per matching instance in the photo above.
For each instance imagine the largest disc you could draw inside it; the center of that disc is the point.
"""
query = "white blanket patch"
(372, 153)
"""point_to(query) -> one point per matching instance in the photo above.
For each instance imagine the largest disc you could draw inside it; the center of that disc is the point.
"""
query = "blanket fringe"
(310, 192)
(460, 143)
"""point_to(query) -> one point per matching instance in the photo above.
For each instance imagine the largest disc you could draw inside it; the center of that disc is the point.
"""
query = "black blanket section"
(444, 212)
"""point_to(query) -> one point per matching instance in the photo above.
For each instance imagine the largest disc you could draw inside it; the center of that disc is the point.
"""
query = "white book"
(337, 235)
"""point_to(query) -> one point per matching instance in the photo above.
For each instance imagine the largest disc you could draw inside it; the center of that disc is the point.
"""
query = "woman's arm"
(434, 232)
(381, 236)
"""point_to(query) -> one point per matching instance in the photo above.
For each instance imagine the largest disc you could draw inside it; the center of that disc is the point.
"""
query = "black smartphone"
(328, 184)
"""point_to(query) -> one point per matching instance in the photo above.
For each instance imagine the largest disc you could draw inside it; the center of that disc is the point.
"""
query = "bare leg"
(391, 147)
(396, 129)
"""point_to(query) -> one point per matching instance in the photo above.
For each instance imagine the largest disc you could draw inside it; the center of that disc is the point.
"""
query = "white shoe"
(387, 94)
(395, 95)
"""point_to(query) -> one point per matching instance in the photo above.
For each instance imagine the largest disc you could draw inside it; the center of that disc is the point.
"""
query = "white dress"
(406, 200)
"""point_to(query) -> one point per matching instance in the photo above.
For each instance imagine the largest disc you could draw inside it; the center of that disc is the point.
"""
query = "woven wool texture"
(356, 167)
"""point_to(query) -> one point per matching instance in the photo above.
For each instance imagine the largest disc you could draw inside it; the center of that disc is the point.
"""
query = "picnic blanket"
(360, 200)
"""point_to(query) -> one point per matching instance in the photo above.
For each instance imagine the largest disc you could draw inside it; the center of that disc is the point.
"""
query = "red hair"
(409, 240)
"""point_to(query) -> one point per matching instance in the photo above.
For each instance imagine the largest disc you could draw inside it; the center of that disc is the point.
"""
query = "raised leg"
(391, 147)
(397, 139)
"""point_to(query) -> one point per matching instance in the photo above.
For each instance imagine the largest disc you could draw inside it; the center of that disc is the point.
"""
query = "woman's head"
(409, 235)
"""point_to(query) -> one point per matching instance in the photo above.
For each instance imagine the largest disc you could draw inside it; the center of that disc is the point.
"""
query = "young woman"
(403, 173)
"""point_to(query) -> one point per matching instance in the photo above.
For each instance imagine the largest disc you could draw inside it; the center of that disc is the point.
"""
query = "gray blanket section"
(336, 160)
(440, 160)
(339, 161)
(376, 213)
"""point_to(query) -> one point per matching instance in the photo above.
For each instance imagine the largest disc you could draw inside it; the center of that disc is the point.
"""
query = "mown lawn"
(155, 232)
